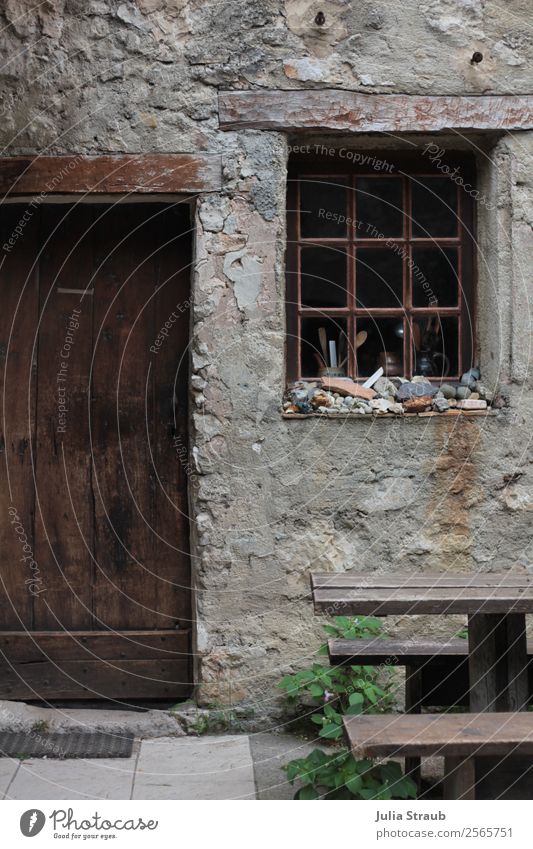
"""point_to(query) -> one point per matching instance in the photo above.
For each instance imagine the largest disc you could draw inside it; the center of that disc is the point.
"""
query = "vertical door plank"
(126, 577)
(170, 449)
(64, 515)
(18, 327)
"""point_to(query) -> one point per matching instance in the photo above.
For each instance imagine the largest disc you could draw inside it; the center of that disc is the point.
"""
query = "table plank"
(356, 580)
(380, 651)
(370, 601)
(457, 734)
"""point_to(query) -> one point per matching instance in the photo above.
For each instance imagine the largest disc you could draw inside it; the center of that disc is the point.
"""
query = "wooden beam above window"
(348, 111)
(111, 174)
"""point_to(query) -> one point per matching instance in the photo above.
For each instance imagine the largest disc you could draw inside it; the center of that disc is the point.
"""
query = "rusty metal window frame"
(409, 168)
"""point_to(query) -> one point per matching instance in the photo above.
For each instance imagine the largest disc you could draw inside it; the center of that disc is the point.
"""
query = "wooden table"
(496, 606)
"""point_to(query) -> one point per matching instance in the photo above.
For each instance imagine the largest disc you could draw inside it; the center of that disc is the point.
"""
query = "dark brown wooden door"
(94, 558)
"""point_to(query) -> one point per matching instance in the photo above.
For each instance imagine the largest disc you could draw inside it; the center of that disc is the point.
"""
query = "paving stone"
(8, 768)
(101, 778)
(270, 753)
(195, 768)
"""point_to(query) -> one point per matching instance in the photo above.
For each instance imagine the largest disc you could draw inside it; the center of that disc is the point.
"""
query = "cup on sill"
(391, 363)
(330, 371)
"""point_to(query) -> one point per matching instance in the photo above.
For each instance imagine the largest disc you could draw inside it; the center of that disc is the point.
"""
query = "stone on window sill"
(334, 398)
(340, 414)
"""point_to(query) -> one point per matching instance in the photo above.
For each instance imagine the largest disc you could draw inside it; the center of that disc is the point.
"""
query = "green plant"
(331, 692)
(339, 776)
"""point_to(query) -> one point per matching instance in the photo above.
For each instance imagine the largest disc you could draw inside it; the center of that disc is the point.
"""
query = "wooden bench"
(460, 738)
(436, 672)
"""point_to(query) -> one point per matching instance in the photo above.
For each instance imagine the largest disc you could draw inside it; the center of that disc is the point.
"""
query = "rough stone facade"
(272, 499)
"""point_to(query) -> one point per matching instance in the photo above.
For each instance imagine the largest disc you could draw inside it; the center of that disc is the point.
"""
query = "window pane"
(379, 207)
(434, 207)
(323, 208)
(379, 277)
(436, 346)
(434, 277)
(382, 347)
(323, 277)
(315, 351)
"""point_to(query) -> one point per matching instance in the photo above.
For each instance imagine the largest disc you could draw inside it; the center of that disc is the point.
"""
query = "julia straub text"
(388, 816)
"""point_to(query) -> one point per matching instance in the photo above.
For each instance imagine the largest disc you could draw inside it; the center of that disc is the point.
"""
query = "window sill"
(430, 414)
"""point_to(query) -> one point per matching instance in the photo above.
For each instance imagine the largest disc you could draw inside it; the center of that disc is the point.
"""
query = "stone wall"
(272, 499)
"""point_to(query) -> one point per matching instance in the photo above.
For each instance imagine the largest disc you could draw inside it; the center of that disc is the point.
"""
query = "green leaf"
(308, 793)
(316, 690)
(343, 621)
(370, 694)
(330, 711)
(331, 731)
(354, 784)
(292, 769)
(306, 675)
(354, 710)
(355, 699)
(317, 718)
(404, 788)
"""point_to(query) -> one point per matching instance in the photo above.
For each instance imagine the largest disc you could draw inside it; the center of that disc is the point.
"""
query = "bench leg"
(459, 778)
(498, 662)
(413, 692)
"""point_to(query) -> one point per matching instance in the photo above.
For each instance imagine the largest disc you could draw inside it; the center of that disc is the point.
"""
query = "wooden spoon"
(322, 336)
(361, 338)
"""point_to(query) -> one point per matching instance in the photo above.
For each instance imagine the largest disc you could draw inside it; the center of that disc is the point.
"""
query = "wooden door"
(94, 558)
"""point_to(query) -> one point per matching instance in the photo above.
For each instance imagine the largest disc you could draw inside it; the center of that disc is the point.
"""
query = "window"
(380, 268)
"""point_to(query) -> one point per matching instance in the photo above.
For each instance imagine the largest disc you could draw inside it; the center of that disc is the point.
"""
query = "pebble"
(380, 405)
(470, 377)
(418, 404)
(448, 390)
(440, 403)
(385, 388)
(396, 408)
(322, 399)
(302, 394)
(462, 393)
(415, 390)
(484, 393)
(470, 404)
